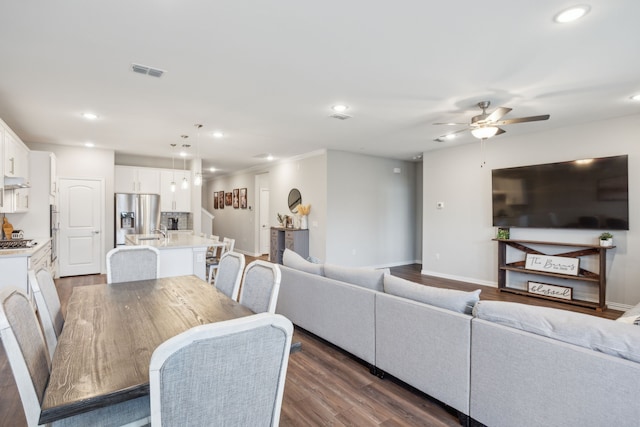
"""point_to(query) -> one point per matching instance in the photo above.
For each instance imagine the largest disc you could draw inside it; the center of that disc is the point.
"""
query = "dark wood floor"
(325, 386)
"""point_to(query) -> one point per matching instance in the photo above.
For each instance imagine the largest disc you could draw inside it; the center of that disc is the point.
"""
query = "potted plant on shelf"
(606, 239)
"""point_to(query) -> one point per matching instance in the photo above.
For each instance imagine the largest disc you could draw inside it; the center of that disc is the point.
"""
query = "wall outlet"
(439, 205)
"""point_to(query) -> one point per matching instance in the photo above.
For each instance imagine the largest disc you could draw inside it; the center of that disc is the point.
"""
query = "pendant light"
(185, 182)
(197, 180)
(172, 186)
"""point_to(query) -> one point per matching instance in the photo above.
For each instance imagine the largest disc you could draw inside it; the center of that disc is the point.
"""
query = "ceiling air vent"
(340, 116)
(143, 69)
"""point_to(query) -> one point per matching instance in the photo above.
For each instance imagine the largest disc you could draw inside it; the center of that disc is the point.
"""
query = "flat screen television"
(580, 194)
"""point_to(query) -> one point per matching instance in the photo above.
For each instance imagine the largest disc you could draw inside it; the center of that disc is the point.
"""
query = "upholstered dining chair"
(130, 263)
(229, 373)
(229, 274)
(30, 363)
(48, 303)
(260, 287)
(213, 262)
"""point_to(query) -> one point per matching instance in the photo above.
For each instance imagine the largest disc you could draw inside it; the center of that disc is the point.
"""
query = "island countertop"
(172, 241)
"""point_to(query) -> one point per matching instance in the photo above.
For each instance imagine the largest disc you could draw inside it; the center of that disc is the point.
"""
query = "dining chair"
(48, 303)
(229, 274)
(26, 351)
(229, 373)
(213, 263)
(260, 287)
(130, 263)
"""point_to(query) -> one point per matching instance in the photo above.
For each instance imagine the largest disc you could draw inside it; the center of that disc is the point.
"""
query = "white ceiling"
(267, 72)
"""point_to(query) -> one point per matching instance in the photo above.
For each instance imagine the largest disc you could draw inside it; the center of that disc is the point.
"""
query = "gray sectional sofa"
(496, 363)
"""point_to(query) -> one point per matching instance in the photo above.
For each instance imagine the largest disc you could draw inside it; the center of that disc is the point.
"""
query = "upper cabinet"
(131, 179)
(16, 157)
(174, 201)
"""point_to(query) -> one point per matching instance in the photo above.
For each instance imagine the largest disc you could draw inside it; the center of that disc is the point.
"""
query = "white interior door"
(80, 215)
(264, 221)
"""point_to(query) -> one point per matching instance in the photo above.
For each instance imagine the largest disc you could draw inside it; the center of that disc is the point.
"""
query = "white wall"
(371, 210)
(81, 162)
(457, 239)
(358, 204)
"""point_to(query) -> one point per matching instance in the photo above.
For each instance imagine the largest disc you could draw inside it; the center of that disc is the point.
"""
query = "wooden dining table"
(111, 331)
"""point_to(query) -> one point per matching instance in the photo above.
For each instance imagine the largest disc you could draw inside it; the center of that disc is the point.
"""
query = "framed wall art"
(243, 198)
(228, 197)
(215, 200)
(221, 199)
(236, 202)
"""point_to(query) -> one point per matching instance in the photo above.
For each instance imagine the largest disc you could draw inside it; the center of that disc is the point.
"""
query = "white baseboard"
(460, 278)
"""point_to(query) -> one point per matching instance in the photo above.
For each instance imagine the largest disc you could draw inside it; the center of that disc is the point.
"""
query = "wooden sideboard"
(528, 247)
(288, 238)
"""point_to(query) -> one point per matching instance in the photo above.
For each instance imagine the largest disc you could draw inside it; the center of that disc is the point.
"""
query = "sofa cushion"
(365, 277)
(450, 299)
(596, 333)
(631, 316)
(295, 261)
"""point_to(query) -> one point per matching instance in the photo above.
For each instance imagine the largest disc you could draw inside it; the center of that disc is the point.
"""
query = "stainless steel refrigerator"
(135, 214)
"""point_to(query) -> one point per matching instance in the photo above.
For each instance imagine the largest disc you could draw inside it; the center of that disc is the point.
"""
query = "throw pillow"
(450, 299)
(295, 261)
(595, 333)
(631, 316)
(365, 277)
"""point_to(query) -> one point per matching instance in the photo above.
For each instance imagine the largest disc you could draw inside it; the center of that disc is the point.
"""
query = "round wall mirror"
(295, 198)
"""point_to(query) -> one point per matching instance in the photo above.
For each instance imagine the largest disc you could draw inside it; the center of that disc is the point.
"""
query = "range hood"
(11, 183)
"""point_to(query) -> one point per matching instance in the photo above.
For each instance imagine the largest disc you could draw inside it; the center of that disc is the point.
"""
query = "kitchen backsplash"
(185, 220)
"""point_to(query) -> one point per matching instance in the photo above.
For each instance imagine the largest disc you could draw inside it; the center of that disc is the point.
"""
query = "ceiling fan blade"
(523, 120)
(451, 124)
(443, 138)
(498, 114)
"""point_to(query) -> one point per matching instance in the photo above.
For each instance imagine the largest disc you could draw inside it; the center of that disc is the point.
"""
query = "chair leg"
(210, 273)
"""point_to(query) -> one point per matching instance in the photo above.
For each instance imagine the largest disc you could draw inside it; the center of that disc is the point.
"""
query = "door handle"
(96, 231)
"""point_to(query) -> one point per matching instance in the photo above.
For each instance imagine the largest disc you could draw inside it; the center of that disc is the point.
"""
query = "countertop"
(172, 241)
(40, 243)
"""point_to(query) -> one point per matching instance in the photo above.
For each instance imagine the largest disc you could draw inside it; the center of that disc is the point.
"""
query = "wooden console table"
(586, 276)
(294, 239)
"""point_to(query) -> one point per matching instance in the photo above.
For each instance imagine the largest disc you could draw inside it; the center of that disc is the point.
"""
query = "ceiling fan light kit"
(485, 125)
(484, 132)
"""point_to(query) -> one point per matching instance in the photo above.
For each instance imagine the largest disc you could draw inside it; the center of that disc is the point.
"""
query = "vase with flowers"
(303, 211)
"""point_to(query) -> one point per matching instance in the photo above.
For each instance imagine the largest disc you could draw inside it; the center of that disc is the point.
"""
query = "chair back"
(260, 287)
(229, 373)
(229, 274)
(229, 245)
(48, 303)
(212, 251)
(25, 349)
(131, 263)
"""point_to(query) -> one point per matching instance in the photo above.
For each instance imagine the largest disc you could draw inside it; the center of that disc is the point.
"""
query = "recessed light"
(218, 134)
(571, 14)
(212, 169)
(340, 108)
(89, 144)
(450, 136)
(90, 116)
(269, 157)
(636, 97)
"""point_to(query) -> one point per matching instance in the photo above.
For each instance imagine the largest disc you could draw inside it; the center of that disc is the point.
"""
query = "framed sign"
(555, 291)
(553, 264)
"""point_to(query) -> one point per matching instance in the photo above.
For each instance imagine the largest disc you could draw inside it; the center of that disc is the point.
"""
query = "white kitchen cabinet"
(16, 157)
(131, 179)
(15, 264)
(178, 200)
(2, 199)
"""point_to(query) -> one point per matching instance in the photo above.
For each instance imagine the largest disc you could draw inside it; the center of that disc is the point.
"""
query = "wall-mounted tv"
(581, 194)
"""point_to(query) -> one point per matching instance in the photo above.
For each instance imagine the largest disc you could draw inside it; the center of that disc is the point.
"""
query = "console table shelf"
(583, 275)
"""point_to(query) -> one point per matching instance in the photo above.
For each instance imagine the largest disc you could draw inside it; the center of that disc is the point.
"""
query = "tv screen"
(582, 194)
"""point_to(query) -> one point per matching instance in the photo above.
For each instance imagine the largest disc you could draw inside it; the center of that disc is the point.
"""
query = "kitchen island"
(181, 254)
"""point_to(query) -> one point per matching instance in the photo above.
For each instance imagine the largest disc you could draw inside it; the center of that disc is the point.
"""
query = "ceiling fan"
(484, 126)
